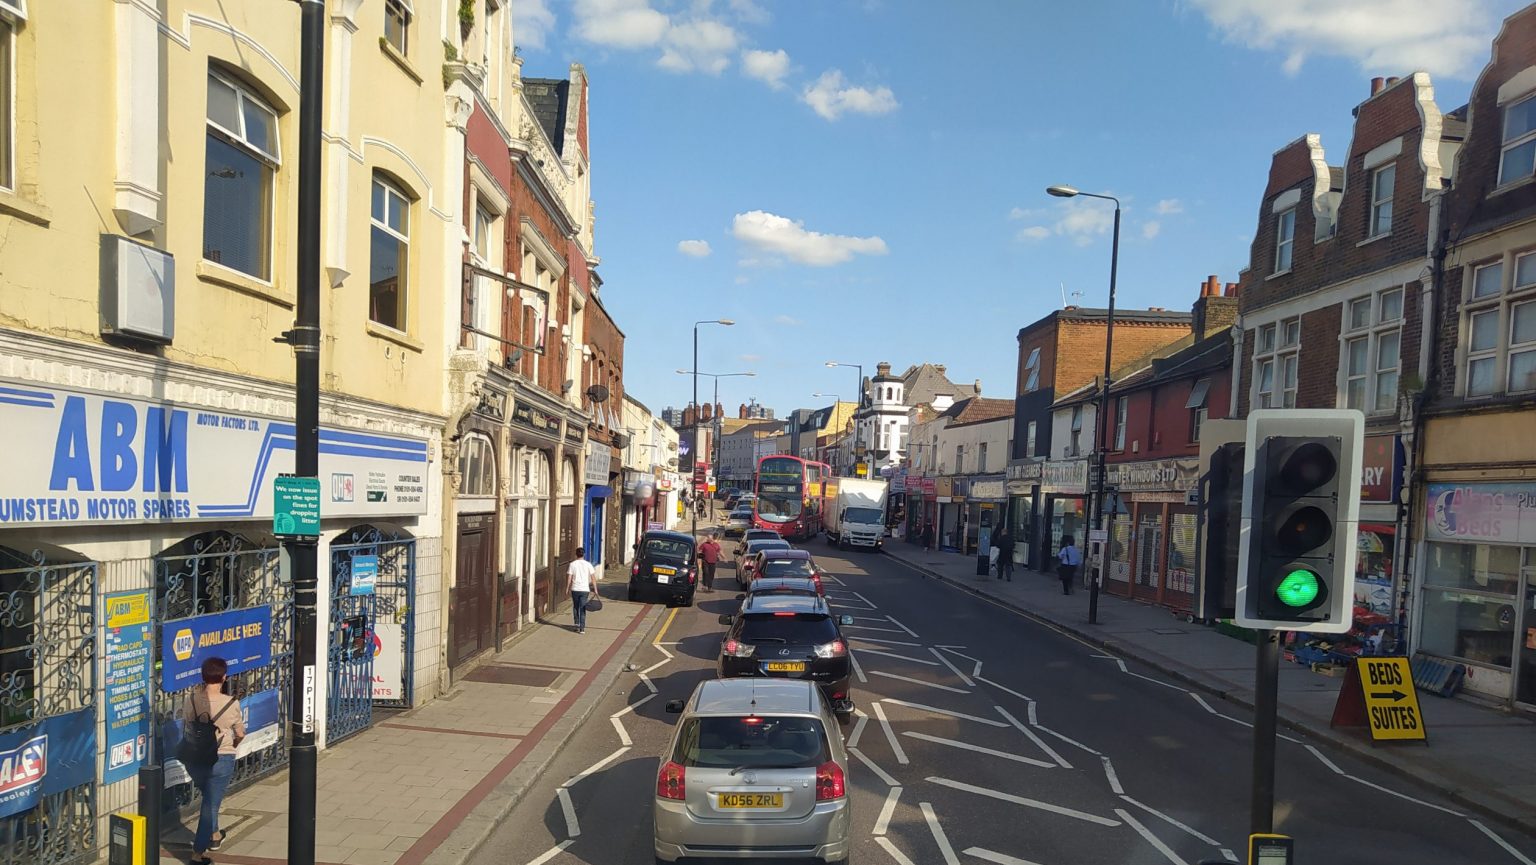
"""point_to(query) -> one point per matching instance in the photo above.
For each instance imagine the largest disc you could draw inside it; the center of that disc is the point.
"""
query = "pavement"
(1480, 758)
(426, 786)
(985, 735)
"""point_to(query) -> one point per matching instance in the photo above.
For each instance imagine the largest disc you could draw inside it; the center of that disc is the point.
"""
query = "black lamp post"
(727, 322)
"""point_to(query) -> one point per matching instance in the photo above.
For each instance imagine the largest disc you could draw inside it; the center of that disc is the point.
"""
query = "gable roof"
(922, 382)
(978, 409)
(549, 98)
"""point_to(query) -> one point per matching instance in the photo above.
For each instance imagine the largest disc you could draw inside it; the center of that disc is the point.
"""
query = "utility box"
(126, 839)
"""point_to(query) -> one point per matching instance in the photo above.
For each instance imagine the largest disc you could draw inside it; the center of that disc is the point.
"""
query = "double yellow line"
(665, 625)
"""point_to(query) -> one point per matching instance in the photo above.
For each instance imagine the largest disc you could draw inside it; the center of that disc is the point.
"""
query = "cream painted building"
(147, 217)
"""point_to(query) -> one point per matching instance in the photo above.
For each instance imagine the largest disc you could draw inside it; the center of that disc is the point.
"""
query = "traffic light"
(1221, 511)
(1301, 509)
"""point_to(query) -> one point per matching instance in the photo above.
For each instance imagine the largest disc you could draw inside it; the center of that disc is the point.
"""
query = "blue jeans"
(579, 609)
(212, 782)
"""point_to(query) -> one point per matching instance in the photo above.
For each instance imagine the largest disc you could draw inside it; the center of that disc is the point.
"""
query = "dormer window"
(1517, 159)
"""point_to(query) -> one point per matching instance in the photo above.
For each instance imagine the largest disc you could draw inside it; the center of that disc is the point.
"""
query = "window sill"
(1279, 273)
(399, 60)
(1373, 238)
(1513, 185)
(397, 337)
(218, 274)
(24, 208)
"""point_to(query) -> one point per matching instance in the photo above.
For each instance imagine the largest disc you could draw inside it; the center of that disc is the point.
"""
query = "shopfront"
(1381, 483)
(1023, 490)
(1154, 532)
(949, 532)
(921, 507)
(986, 504)
(1064, 485)
(1477, 600)
(595, 513)
(535, 437)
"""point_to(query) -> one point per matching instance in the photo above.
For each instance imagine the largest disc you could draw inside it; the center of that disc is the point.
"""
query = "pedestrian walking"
(709, 556)
(1068, 560)
(212, 726)
(1004, 544)
(928, 537)
(579, 579)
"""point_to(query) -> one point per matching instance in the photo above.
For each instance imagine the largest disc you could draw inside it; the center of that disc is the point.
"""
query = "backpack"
(200, 738)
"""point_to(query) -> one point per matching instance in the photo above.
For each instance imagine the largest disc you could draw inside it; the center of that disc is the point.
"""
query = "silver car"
(756, 769)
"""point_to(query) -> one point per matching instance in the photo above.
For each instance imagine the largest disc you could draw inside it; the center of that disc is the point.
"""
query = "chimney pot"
(978, 387)
(939, 367)
(1377, 85)
(1156, 309)
(1391, 81)
(1231, 290)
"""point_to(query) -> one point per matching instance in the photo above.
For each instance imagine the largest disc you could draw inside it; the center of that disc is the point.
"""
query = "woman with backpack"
(212, 726)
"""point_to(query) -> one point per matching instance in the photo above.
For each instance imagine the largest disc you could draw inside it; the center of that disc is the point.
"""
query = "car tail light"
(829, 781)
(816, 578)
(672, 781)
(834, 649)
(634, 570)
(738, 649)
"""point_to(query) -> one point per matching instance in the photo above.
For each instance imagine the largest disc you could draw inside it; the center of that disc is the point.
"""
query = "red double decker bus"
(789, 496)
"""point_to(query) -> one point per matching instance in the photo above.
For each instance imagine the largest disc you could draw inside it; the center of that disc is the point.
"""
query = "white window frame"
(1122, 412)
(1075, 444)
(1198, 405)
(483, 234)
(1029, 439)
(1285, 244)
(392, 192)
(408, 16)
(1381, 205)
(1374, 328)
(1277, 348)
(14, 11)
(1032, 367)
(981, 458)
(274, 159)
(1512, 143)
(1502, 306)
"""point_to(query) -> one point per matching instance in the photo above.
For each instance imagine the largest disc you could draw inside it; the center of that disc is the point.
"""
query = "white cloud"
(787, 320)
(1033, 232)
(1446, 37)
(769, 67)
(749, 12)
(532, 22)
(1076, 220)
(694, 248)
(1151, 229)
(619, 23)
(781, 236)
(749, 358)
(701, 45)
(831, 96)
(1017, 213)
(1169, 206)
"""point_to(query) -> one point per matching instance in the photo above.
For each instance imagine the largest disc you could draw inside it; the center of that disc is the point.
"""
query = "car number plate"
(786, 666)
(664, 570)
(663, 578)
(751, 800)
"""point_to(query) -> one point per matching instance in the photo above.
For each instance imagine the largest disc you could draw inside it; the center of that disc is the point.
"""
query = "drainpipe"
(1237, 366)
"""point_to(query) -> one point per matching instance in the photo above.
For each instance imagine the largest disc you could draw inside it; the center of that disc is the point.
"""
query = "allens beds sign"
(76, 457)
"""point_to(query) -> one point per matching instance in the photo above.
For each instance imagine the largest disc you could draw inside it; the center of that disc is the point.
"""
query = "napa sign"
(73, 457)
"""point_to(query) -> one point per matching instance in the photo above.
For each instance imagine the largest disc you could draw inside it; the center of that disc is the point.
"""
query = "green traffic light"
(1299, 588)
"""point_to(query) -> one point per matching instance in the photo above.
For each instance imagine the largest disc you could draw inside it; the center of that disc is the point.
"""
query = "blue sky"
(875, 191)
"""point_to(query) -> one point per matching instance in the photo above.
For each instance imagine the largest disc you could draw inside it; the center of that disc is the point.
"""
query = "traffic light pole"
(1266, 697)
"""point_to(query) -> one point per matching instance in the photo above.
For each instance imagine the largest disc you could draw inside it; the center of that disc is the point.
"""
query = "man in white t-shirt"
(579, 578)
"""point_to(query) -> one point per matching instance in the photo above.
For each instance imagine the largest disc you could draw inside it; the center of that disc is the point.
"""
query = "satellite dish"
(598, 393)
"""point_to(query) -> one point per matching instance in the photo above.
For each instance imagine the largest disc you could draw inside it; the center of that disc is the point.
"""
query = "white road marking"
(595, 767)
(633, 706)
(1070, 741)
(899, 657)
(938, 834)
(1519, 857)
(1114, 780)
(858, 670)
(560, 848)
(1172, 822)
(872, 604)
(618, 726)
(948, 647)
(1004, 689)
(1105, 657)
(662, 648)
(1404, 796)
(999, 858)
(1201, 700)
(890, 735)
(572, 828)
(1029, 803)
(1238, 721)
(884, 775)
(858, 729)
(883, 841)
(873, 628)
(921, 707)
(903, 627)
(1228, 855)
(1126, 670)
(884, 642)
(980, 750)
(919, 682)
(1151, 839)
(883, 822)
(846, 605)
(1325, 761)
(1049, 751)
(952, 668)
(1034, 720)
(647, 679)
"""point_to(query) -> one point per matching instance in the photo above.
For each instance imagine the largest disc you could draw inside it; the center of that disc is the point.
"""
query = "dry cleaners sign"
(80, 458)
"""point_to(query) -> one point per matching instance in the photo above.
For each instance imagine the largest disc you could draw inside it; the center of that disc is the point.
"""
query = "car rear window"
(759, 546)
(667, 549)
(800, 629)
(787, 568)
(752, 742)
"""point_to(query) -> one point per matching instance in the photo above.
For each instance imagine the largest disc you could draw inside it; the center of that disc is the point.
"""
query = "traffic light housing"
(1221, 511)
(1301, 510)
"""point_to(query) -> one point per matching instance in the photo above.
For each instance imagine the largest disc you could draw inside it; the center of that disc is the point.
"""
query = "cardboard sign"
(1378, 693)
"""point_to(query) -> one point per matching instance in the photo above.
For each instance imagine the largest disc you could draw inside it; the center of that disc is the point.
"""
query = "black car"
(666, 567)
(785, 636)
(784, 586)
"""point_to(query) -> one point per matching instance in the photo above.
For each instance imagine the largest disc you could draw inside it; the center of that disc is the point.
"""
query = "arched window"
(568, 478)
(477, 466)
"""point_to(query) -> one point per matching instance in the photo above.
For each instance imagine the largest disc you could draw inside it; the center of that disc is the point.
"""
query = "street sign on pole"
(295, 507)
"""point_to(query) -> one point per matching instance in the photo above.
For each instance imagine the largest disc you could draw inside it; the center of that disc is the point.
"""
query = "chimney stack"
(883, 368)
(719, 411)
(1213, 310)
(741, 413)
(1377, 85)
(978, 387)
(939, 367)
(1391, 81)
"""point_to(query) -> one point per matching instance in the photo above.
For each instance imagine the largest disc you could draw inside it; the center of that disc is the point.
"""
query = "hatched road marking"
(1002, 755)
(883, 822)
(1028, 803)
(952, 668)
(999, 858)
(919, 682)
(901, 756)
(884, 776)
(938, 834)
(935, 710)
(1146, 833)
(1050, 752)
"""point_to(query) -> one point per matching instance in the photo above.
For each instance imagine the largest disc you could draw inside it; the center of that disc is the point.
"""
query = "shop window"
(1468, 599)
(242, 158)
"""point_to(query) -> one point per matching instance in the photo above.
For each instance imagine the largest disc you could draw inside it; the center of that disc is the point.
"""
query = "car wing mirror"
(675, 707)
(845, 619)
(727, 619)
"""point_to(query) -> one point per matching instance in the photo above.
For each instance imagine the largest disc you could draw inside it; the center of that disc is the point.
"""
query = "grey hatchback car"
(756, 769)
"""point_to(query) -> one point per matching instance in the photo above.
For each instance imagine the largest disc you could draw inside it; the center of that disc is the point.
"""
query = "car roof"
(661, 535)
(763, 533)
(768, 584)
(787, 554)
(761, 541)
(785, 604)
(754, 696)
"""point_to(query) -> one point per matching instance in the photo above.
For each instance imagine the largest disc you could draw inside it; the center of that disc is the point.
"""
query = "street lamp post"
(719, 424)
(858, 398)
(835, 400)
(727, 322)
(1096, 500)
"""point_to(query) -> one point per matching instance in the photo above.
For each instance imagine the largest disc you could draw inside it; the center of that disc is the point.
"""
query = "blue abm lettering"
(124, 452)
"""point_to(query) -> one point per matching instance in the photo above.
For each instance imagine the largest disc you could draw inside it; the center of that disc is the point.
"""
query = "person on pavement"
(1068, 561)
(928, 537)
(1004, 544)
(210, 704)
(709, 556)
(579, 578)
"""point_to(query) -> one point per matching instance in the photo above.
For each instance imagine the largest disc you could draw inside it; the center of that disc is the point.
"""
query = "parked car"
(738, 521)
(794, 637)
(665, 567)
(787, 563)
(751, 535)
(754, 768)
(782, 586)
(746, 564)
